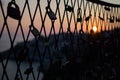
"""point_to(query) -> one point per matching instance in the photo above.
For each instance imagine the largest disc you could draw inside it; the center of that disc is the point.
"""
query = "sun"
(94, 28)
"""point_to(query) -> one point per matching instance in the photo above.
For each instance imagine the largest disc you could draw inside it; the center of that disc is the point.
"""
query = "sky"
(12, 24)
(113, 1)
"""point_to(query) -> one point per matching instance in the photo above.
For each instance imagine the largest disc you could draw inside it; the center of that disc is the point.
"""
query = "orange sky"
(37, 22)
(12, 24)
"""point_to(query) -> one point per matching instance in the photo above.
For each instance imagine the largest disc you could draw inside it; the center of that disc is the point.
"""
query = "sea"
(12, 68)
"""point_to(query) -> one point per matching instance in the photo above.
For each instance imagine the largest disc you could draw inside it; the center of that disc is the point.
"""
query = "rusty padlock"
(13, 10)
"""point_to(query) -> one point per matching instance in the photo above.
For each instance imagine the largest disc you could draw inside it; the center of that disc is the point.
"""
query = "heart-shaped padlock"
(13, 10)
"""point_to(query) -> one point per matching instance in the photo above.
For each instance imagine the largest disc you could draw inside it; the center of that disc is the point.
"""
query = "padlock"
(79, 19)
(111, 20)
(107, 8)
(69, 8)
(28, 71)
(81, 31)
(101, 18)
(13, 12)
(88, 17)
(118, 19)
(34, 31)
(79, 15)
(51, 14)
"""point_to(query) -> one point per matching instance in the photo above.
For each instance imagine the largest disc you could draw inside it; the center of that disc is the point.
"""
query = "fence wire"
(44, 35)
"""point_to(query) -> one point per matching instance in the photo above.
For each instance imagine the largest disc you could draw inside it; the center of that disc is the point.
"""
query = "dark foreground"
(94, 56)
(97, 59)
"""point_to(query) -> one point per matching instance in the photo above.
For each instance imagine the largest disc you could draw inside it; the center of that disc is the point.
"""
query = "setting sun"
(94, 28)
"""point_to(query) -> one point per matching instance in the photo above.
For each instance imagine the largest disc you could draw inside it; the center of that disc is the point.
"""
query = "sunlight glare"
(94, 28)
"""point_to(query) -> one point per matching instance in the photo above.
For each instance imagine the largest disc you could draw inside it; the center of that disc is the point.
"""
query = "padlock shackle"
(13, 3)
(48, 9)
(79, 12)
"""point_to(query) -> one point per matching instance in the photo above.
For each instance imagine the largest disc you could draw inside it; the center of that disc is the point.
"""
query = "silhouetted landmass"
(77, 56)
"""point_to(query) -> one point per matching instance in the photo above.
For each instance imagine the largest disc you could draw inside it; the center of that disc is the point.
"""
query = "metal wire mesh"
(35, 32)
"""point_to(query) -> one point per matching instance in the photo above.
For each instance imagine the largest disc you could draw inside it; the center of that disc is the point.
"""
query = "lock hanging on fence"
(111, 20)
(13, 10)
(101, 18)
(118, 19)
(79, 15)
(69, 8)
(107, 8)
(51, 14)
(88, 17)
(28, 71)
(34, 31)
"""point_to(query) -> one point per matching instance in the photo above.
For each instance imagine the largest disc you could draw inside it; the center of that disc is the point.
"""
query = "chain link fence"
(37, 35)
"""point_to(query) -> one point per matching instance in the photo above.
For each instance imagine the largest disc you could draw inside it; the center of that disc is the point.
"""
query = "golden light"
(94, 28)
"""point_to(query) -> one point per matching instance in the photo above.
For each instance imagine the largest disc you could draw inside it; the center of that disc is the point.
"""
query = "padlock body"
(79, 19)
(52, 16)
(69, 8)
(111, 21)
(34, 31)
(118, 20)
(13, 12)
